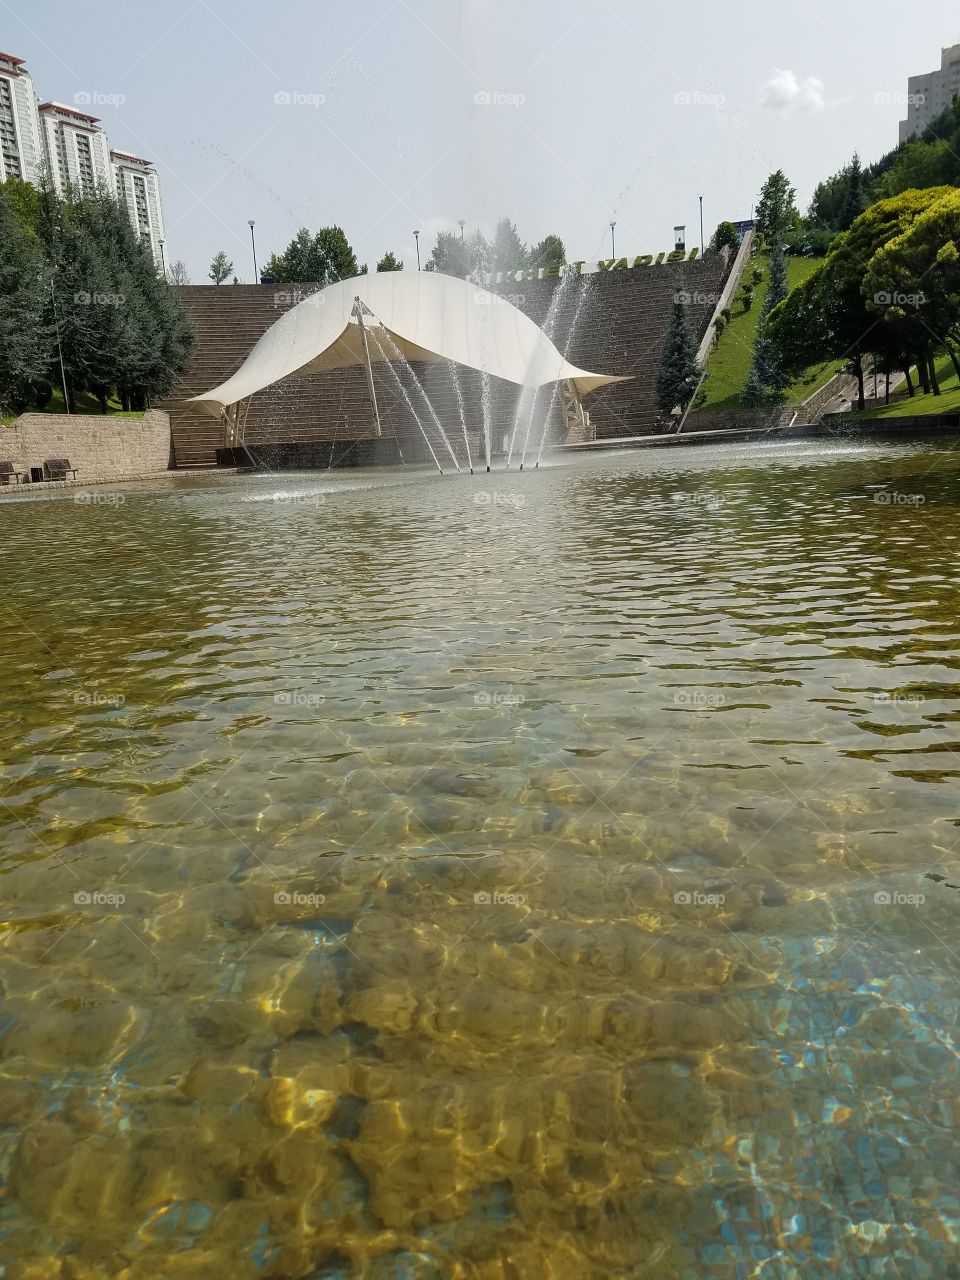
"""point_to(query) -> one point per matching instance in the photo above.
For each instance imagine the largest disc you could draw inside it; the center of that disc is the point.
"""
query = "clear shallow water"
(521, 876)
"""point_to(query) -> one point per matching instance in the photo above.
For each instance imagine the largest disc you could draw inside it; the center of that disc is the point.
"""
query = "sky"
(386, 116)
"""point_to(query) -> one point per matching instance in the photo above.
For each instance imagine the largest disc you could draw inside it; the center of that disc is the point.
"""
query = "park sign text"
(591, 268)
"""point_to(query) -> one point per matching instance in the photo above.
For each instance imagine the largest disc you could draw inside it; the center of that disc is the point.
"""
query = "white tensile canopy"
(418, 315)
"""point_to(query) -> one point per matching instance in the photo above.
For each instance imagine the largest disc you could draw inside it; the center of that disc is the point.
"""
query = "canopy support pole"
(358, 312)
(236, 415)
(573, 412)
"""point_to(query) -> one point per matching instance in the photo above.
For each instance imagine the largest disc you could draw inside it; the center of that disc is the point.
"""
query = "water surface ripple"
(530, 875)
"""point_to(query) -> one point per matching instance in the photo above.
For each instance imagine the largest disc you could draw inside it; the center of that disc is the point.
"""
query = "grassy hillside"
(729, 364)
(901, 405)
(86, 404)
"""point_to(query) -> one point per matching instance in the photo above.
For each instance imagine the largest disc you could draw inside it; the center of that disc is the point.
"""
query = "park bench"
(7, 469)
(57, 468)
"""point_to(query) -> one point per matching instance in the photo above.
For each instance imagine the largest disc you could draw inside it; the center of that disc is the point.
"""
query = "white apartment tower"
(21, 143)
(138, 188)
(78, 156)
(928, 95)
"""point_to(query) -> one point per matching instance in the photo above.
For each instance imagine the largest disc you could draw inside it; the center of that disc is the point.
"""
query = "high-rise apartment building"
(928, 95)
(21, 143)
(78, 155)
(138, 188)
(66, 146)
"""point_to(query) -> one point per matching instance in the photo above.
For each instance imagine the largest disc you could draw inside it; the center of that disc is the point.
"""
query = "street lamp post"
(461, 224)
(416, 236)
(163, 260)
(253, 242)
(701, 227)
(613, 239)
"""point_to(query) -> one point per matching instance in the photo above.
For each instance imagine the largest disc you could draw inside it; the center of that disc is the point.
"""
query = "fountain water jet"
(550, 324)
(526, 393)
(463, 412)
(554, 395)
(487, 411)
(416, 417)
(402, 359)
(549, 327)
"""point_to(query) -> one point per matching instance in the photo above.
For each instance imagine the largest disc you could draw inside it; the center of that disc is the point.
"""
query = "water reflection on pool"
(543, 875)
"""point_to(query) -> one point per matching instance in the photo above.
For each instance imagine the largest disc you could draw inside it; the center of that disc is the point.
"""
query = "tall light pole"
(253, 242)
(416, 236)
(461, 224)
(701, 227)
(613, 239)
(163, 260)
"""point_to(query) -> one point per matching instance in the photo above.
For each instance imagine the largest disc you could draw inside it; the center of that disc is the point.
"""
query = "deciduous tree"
(550, 252)
(827, 317)
(725, 234)
(220, 267)
(913, 283)
(324, 257)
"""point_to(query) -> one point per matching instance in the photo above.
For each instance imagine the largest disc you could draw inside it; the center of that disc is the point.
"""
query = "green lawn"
(729, 364)
(86, 404)
(901, 406)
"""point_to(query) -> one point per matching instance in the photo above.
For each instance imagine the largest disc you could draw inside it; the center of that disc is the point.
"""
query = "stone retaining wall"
(101, 448)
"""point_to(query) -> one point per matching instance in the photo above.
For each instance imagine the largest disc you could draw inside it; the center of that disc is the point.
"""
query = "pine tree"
(776, 209)
(82, 284)
(679, 372)
(767, 381)
(778, 288)
(854, 202)
(389, 262)
(120, 326)
(754, 392)
(25, 332)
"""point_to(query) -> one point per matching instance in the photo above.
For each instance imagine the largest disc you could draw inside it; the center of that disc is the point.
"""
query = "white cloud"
(786, 91)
